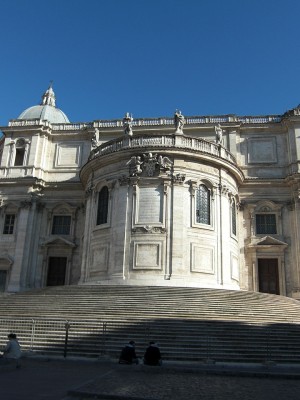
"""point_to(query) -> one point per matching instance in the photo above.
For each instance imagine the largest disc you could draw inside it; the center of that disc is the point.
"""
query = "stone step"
(189, 323)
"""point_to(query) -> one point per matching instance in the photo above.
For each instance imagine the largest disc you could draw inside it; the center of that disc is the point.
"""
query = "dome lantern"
(47, 110)
(48, 97)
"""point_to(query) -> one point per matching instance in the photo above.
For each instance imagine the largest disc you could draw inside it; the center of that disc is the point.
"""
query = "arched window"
(20, 152)
(233, 217)
(203, 205)
(102, 206)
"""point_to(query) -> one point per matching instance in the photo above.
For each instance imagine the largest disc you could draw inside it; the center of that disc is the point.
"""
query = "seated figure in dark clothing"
(152, 355)
(128, 355)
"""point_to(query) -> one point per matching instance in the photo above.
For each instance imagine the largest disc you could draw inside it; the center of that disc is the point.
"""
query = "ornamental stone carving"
(164, 163)
(124, 180)
(178, 178)
(148, 164)
(148, 229)
(135, 166)
(89, 190)
(224, 190)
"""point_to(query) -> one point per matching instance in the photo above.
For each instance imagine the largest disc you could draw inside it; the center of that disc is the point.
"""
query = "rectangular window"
(61, 225)
(203, 205)
(19, 160)
(102, 206)
(9, 224)
(266, 224)
(233, 218)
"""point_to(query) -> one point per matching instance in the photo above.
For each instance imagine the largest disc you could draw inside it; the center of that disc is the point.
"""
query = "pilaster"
(18, 275)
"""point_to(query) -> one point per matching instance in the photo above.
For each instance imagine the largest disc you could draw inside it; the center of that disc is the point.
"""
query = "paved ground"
(39, 379)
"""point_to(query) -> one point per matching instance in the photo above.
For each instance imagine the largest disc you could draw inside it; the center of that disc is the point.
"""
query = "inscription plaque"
(150, 205)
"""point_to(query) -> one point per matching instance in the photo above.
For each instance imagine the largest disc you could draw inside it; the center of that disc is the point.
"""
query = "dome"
(46, 110)
(50, 113)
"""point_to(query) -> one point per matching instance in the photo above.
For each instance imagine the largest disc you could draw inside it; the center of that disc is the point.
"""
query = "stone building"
(177, 201)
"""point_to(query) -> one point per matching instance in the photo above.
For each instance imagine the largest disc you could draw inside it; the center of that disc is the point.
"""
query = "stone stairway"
(191, 324)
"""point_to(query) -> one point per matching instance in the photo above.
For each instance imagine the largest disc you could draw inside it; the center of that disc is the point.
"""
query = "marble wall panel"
(202, 259)
(262, 150)
(147, 255)
(68, 154)
(99, 259)
(235, 273)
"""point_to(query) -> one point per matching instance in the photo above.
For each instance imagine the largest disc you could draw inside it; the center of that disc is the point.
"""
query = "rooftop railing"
(164, 121)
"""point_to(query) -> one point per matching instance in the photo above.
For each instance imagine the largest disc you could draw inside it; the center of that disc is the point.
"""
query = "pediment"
(270, 241)
(58, 241)
(267, 243)
(6, 259)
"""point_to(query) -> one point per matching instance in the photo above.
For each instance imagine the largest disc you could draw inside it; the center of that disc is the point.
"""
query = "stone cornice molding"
(26, 204)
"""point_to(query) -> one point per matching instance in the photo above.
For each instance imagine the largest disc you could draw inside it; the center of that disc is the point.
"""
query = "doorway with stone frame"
(3, 278)
(268, 275)
(57, 267)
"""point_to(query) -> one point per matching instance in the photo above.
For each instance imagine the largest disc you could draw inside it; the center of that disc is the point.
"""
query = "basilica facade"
(203, 201)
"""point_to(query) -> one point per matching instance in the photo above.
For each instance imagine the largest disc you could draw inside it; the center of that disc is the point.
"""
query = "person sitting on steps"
(12, 351)
(128, 355)
(152, 355)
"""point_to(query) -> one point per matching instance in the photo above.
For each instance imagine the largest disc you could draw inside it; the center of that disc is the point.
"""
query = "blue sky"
(150, 57)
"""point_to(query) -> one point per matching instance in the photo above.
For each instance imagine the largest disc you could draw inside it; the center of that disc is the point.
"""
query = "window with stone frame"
(266, 223)
(203, 206)
(20, 152)
(61, 225)
(233, 217)
(9, 224)
(102, 211)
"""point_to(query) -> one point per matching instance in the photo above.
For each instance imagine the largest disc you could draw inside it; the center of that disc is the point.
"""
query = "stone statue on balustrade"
(219, 134)
(94, 142)
(127, 124)
(179, 121)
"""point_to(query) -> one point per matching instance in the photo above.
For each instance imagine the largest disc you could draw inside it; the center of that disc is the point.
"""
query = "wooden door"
(3, 274)
(56, 271)
(268, 275)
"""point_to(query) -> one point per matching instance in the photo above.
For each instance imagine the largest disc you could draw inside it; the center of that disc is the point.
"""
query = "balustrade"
(28, 122)
(176, 141)
(149, 122)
